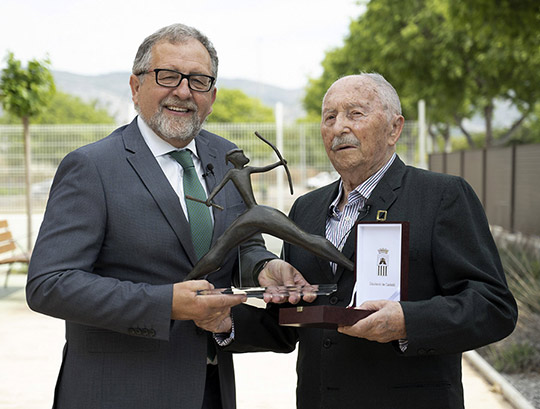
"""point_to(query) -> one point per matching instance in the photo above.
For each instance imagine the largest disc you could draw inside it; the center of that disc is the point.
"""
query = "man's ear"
(214, 94)
(397, 127)
(135, 84)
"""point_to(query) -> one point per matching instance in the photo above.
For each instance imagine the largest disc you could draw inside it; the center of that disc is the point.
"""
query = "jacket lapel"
(145, 165)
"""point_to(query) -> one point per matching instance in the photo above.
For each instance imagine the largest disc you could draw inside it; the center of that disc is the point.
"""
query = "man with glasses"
(119, 237)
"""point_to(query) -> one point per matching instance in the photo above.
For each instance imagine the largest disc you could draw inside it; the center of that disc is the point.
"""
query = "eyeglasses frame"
(182, 76)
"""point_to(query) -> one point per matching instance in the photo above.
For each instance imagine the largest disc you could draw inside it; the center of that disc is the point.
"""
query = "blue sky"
(278, 42)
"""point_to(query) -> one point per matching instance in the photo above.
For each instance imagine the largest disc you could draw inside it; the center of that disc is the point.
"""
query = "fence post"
(303, 162)
(422, 163)
(484, 177)
(279, 144)
(513, 191)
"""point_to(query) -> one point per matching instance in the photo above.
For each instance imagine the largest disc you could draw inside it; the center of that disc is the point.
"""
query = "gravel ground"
(528, 385)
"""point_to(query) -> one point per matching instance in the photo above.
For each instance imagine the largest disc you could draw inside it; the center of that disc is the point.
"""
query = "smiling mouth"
(177, 109)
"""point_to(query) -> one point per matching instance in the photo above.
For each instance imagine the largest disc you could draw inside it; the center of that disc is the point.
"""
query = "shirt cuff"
(261, 265)
(403, 344)
(224, 338)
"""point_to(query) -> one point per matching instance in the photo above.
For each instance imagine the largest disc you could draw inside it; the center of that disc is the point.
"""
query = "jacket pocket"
(114, 342)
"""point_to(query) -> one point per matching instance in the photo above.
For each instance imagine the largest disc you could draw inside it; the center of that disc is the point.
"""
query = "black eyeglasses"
(172, 79)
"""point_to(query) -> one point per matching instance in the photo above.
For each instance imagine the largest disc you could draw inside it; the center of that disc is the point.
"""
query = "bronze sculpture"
(259, 219)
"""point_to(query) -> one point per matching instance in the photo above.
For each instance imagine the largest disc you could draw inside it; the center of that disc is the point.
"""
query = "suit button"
(138, 331)
(131, 331)
(327, 343)
(421, 351)
(144, 332)
(152, 333)
(334, 300)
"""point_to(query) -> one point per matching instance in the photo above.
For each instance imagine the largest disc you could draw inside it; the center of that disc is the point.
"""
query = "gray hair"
(175, 33)
(387, 93)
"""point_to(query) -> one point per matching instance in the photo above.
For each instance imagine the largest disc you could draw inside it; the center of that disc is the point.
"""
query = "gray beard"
(172, 130)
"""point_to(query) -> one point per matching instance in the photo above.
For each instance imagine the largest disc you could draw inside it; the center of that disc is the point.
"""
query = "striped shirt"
(340, 223)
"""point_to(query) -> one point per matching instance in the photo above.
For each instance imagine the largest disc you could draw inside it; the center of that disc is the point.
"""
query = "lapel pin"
(381, 215)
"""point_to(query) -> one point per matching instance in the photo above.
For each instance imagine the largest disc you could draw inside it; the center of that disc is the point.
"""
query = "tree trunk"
(468, 136)
(488, 115)
(433, 135)
(447, 139)
(515, 126)
(27, 182)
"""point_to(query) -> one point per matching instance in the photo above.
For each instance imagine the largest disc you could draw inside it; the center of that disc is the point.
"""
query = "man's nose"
(342, 123)
(182, 90)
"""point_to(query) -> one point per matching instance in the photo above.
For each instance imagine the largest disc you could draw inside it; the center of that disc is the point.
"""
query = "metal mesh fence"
(301, 146)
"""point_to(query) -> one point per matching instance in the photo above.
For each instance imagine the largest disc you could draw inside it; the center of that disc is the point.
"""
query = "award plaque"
(382, 261)
(381, 267)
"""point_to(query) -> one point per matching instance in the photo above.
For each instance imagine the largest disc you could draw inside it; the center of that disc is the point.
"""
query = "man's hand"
(385, 325)
(209, 312)
(280, 273)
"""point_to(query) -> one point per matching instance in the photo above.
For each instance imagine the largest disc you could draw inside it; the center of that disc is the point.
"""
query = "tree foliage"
(24, 93)
(233, 105)
(459, 56)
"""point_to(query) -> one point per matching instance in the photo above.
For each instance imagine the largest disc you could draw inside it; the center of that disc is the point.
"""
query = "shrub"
(520, 352)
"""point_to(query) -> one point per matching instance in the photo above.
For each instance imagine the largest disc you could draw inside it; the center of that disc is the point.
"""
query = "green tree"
(458, 57)
(70, 109)
(24, 93)
(233, 105)
(67, 109)
(529, 132)
(505, 44)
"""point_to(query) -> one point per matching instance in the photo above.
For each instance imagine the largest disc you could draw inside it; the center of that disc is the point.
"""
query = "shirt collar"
(157, 145)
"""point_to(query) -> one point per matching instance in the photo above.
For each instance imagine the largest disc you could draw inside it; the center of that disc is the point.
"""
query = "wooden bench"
(10, 253)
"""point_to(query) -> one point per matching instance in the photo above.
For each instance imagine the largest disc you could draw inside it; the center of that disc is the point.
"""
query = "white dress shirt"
(171, 168)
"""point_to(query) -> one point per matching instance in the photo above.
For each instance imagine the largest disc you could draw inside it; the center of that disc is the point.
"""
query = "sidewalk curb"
(485, 370)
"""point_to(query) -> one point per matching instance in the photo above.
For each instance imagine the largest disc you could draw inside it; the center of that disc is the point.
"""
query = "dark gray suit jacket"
(458, 300)
(113, 240)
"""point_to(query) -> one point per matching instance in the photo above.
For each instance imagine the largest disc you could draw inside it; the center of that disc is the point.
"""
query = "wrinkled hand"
(209, 312)
(280, 273)
(385, 325)
(218, 325)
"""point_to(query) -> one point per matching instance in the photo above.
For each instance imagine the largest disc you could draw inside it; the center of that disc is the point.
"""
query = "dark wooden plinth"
(321, 316)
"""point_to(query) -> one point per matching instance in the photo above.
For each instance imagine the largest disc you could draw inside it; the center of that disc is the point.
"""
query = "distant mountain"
(110, 90)
(113, 93)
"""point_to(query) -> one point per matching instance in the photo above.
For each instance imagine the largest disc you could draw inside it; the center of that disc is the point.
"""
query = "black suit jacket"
(113, 241)
(458, 300)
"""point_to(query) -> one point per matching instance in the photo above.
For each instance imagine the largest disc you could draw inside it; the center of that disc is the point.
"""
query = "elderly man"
(407, 354)
(118, 239)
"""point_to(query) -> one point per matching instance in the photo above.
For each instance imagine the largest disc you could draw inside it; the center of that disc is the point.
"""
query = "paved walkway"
(31, 346)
